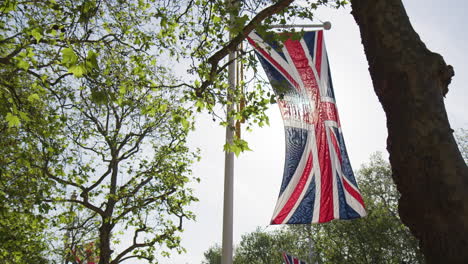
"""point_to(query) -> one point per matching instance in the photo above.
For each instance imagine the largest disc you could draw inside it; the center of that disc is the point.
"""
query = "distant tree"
(379, 237)
(261, 247)
(212, 255)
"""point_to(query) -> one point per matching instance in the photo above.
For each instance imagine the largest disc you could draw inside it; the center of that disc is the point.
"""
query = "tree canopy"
(95, 134)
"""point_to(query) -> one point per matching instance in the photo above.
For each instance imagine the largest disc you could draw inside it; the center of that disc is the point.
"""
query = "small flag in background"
(291, 260)
(318, 182)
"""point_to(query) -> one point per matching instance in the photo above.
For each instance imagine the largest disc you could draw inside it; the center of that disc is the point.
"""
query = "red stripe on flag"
(353, 192)
(329, 112)
(296, 193)
(275, 63)
(326, 184)
(301, 62)
(318, 53)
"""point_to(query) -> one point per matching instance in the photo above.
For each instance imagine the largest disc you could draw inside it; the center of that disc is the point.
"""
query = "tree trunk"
(105, 231)
(410, 82)
(104, 240)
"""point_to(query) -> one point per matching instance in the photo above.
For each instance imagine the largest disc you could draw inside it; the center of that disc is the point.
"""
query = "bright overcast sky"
(258, 174)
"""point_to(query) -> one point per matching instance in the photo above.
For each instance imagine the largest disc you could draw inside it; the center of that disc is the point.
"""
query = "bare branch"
(136, 245)
(135, 148)
(135, 256)
(85, 203)
(55, 178)
(145, 203)
(189, 5)
(103, 176)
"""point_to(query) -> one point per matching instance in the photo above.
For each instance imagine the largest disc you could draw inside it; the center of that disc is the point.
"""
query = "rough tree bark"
(105, 251)
(410, 82)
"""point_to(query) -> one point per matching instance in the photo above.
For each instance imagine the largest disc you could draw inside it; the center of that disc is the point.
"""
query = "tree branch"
(6, 59)
(231, 46)
(55, 178)
(85, 203)
(136, 245)
(145, 203)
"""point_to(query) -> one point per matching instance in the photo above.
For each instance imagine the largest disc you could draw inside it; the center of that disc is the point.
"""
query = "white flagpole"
(228, 206)
(325, 25)
(228, 212)
(228, 209)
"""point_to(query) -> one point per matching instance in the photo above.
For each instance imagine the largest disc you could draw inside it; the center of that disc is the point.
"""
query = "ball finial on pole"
(327, 25)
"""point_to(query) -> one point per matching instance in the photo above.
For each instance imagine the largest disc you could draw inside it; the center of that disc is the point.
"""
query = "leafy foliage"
(206, 31)
(261, 247)
(21, 243)
(87, 110)
(213, 255)
(266, 247)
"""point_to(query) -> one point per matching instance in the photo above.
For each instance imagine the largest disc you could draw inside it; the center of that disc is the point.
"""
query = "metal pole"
(326, 25)
(228, 179)
(311, 248)
(228, 209)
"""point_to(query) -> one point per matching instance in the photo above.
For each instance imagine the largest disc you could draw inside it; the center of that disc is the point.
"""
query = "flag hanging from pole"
(318, 182)
(291, 260)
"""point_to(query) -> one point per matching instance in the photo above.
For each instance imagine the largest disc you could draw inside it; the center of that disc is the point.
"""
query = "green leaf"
(185, 123)
(163, 108)
(36, 33)
(24, 116)
(237, 146)
(13, 120)
(69, 57)
(200, 105)
(91, 60)
(99, 97)
(216, 19)
(77, 70)
(23, 64)
(30, 52)
(33, 97)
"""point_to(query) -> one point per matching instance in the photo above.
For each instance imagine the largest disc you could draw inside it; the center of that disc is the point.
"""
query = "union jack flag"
(318, 182)
(291, 260)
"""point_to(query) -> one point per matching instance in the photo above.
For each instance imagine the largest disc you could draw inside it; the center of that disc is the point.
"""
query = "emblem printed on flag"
(291, 260)
(318, 182)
